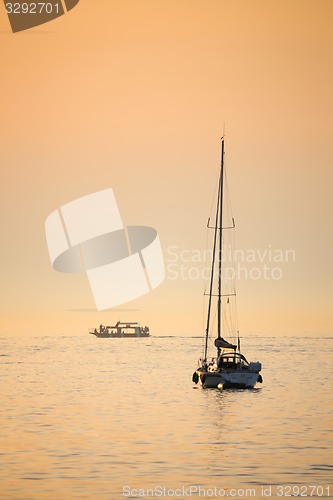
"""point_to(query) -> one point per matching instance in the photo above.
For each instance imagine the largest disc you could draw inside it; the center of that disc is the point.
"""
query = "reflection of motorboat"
(121, 330)
(229, 368)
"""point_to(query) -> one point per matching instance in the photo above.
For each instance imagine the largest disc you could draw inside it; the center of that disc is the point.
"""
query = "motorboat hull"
(119, 335)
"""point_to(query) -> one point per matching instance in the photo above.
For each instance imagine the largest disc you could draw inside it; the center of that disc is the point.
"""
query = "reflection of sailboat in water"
(229, 368)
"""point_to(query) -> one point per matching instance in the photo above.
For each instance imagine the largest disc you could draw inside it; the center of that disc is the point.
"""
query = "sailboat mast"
(219, 307)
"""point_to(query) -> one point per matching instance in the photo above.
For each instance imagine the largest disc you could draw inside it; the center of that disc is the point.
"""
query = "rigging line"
(230, 318)
(233, 316)
(230, 242)
(227, 319)
(212, 272)
(213, 326)
(233, 236)
(216, 190)
(227, 192)
(203, 325)
(222, 294)
(236, 318)
(232, 246)
(203, 297)
(213, 316)
(205, 281)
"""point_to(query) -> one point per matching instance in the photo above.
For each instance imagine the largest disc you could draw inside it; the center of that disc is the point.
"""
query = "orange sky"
(134, 95)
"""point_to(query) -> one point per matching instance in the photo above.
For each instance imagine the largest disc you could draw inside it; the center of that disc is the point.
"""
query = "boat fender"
(195, 378)
(203, 378)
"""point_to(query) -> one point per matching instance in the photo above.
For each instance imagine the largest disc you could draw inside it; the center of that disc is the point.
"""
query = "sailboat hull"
(239, 379)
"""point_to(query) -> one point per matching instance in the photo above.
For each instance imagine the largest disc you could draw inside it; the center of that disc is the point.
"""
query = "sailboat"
(228, 368)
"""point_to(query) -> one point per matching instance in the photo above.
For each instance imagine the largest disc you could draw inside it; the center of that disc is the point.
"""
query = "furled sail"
(223, 344)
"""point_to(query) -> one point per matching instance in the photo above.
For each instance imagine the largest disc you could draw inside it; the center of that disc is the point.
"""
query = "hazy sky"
(134, 95)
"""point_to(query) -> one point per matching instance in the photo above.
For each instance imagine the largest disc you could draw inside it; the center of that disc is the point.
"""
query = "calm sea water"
(87, 418)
